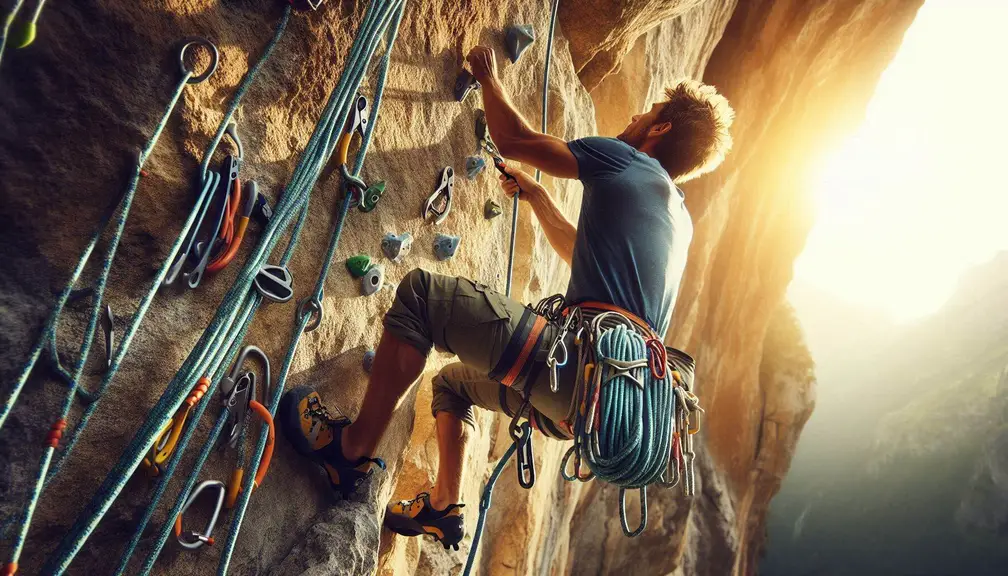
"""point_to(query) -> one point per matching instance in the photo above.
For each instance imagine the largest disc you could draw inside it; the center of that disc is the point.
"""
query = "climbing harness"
(195, 540)
(46, 468)
(439, 203)
(445, 246)
(517, 39)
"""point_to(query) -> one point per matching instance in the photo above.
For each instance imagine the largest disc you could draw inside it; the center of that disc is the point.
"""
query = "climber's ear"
(660, 129)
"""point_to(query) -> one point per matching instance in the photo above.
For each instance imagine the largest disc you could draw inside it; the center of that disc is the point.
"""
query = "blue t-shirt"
(633, 232)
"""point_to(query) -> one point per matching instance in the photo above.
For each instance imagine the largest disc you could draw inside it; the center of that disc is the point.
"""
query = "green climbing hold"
(371, 196)
(358, 265)
(26, 37)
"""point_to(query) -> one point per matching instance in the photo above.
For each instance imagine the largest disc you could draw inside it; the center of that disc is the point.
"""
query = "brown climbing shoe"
(417, 517)
(314, 433)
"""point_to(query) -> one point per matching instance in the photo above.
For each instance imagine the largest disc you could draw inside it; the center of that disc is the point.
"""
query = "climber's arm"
(513, 136)
(560, 232)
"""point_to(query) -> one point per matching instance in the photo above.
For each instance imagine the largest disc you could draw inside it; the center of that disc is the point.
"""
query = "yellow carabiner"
(168, 437)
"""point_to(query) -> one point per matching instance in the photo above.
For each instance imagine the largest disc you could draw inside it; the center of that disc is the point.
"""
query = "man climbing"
(627, 252)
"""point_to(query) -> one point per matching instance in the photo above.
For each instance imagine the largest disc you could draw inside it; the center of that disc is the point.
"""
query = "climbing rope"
(56, 432)
(526, 470)
(226, 321)
(630, 415)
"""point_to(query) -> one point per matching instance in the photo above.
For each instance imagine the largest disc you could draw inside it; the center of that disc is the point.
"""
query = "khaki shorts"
(476, 324)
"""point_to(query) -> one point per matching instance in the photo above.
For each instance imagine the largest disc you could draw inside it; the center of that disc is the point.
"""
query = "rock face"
(84, 98)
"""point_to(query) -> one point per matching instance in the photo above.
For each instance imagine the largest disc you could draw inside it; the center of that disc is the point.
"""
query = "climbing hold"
(492, 209)
(275, 283)
(358, 265)
(263, 211)
(368, 361)
(395, 247)
(480, 125)
(518, 38)
(464, 84)
(474, 165)
(371, 196)
(445, 246)
(439, 203)
(373, 280)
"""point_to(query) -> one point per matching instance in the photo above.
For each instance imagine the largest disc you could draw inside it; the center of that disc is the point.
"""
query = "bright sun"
(918, 193)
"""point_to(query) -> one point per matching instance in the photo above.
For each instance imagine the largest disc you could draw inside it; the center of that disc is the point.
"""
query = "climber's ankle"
(440, 500)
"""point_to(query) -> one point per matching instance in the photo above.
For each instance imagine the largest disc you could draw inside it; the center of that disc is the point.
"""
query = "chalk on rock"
(445, 246)
(518, 38)
(396, 247)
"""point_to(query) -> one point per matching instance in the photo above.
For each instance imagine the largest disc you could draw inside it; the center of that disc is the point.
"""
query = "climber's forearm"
(560, 232)
(507, 127)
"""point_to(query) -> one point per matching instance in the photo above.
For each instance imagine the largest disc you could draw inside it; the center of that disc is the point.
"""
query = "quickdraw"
(195, 540)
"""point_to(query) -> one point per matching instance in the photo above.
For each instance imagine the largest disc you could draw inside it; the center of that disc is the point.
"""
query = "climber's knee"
(409, 317)
(450, 396)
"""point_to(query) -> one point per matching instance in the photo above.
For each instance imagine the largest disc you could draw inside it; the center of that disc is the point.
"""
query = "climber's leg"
(453, 440)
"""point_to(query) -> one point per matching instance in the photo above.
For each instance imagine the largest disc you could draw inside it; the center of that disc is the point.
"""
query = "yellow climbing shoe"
(417, 517)
(308, 426)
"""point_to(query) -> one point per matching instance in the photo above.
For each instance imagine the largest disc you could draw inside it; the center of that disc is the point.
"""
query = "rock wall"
(83, 99)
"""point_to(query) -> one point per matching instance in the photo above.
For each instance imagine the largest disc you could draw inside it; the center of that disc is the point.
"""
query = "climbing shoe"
(314, 433)
(416, 517)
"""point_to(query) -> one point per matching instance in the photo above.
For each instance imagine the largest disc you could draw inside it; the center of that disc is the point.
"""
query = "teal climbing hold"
(474, 165)
(368, 361)
(518, 38)
(445, 246)
(358, 265)
(395, 247)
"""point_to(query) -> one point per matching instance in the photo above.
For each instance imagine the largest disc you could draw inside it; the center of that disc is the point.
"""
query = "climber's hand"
(483, 62)
(529, 187)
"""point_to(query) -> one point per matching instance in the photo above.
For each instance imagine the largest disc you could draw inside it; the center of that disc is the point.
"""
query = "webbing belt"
(514, 364)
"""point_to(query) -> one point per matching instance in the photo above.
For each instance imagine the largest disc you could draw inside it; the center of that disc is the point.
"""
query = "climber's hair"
(700, 135)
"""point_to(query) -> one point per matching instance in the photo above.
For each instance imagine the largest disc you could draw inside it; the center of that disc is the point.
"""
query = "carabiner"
(439, 203)
(164, 446)
(236, 403)
(206, 537)
(524, 456)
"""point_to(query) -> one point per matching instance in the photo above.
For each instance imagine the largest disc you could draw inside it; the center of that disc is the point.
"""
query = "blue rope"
(390, 22)
(488, 491)
(487, 498)
(50, 333)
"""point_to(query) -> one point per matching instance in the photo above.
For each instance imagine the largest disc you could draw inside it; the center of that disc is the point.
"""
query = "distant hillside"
(903, 467)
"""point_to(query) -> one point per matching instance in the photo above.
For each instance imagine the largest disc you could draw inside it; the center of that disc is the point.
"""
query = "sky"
(918, 193)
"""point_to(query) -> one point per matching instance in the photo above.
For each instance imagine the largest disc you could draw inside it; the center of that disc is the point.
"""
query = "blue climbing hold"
(368, 361)
(445, 246)
(396, 247)
(518, 38)
(474, 165)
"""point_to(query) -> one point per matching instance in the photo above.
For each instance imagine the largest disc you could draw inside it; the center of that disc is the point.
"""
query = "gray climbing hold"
(474, 165)
(518, 38)
(274, 283)
(445, 246)
(492, 209)
(373, 281)
(396, 247)
(464, 84)
(368, 361)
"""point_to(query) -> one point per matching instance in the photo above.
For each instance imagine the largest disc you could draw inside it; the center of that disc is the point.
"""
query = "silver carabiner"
(207, 536)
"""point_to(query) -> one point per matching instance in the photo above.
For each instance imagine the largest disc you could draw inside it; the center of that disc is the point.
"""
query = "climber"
(627, 252)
